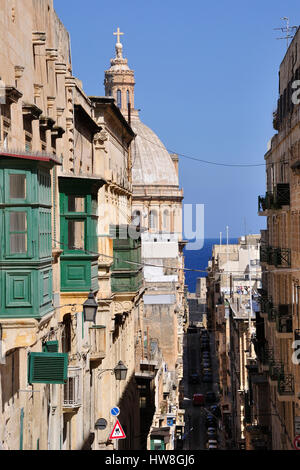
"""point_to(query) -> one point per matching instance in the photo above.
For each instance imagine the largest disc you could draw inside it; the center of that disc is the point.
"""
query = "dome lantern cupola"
(119, 79)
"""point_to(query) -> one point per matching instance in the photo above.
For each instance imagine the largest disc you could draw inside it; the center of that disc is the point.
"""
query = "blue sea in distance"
(198, 259)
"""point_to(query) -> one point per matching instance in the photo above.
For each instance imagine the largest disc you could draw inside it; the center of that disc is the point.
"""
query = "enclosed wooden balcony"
(97, 342)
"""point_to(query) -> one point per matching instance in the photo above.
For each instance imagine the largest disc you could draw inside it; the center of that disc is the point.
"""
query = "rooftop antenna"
(289, 30)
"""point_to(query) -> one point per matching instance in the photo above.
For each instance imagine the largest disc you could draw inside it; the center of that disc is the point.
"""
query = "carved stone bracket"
(122, 307)
(99, 140)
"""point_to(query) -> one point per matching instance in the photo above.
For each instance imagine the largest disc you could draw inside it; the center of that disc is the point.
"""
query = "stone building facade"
(157, 212)
(64, 162)
(233, 284)
(280, 258)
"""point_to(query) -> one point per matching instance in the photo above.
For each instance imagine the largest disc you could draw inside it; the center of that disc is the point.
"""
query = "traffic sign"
(101, 424)
(117, 432)
(115, 411)
(297, 442)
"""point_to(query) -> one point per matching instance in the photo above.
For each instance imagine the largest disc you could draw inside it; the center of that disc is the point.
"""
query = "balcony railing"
(286, 384)
(276, 199)
(275, 256)
(267, 356)
(284, 319)
(275, 370)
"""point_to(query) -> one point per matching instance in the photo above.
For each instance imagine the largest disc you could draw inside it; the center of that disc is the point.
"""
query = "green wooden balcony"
(127, 275)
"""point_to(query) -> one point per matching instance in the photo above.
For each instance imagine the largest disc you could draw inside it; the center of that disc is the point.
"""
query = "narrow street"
(195, 417)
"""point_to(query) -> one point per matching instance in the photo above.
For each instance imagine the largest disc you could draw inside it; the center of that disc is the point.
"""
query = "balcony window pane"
(18, 243)
(18, 221)
(76, 235)
(17, 186)
(76, 204)
(18, 232)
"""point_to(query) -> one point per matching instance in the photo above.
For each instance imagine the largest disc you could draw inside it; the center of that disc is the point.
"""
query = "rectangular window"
(17, 186)
(18, 232)
(76, 234)
(76, 204)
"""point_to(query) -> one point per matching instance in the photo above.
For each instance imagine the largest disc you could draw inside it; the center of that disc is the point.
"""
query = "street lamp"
(90, 308)
(120, 371)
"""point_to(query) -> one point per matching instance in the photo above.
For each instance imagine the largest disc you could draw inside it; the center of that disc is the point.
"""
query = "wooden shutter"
(49, 368)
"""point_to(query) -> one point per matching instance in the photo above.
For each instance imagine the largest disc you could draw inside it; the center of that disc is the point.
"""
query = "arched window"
(128, 97)
(119, 99)
(136, 218)
(153, 219)
(166, 220)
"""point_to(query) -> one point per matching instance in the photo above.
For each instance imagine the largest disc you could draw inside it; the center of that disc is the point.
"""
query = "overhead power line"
(209, 162)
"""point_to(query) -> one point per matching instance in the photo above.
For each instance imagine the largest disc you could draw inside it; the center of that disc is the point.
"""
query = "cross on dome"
(118, 34)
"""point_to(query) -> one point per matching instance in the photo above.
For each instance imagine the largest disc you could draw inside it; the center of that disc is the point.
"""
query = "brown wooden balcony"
(97, 342)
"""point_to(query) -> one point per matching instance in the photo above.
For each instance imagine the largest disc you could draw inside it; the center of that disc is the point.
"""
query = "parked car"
(198, 399)
(215, 409)
(210, 397)
(211, 433)
(212, 444)
(207, 377)
(206, 363)
(194, 378)
(211, 421)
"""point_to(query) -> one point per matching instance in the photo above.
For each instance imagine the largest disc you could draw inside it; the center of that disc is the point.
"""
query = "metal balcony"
(275, 200)
(279, 257)
(284, 321)
(286, 387)
(276, 370)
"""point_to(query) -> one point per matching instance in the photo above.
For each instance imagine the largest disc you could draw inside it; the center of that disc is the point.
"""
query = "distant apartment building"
(280, 258)
(233, 283)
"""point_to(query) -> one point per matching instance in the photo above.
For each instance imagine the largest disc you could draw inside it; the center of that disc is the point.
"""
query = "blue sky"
(206, 82)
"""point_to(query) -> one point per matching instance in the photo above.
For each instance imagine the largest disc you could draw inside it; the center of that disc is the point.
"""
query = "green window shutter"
(49, 368)
(50, 347)
(21, 428)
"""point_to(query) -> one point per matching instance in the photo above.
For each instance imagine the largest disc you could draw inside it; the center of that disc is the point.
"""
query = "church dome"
(151, 162)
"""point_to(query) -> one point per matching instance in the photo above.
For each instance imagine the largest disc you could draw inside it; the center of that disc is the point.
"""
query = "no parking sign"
(297, 442)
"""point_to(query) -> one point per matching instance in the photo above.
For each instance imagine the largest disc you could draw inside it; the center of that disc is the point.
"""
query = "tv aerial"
(288, 30)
